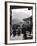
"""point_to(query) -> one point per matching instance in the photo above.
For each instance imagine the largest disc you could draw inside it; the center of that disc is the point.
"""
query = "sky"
(19, 14)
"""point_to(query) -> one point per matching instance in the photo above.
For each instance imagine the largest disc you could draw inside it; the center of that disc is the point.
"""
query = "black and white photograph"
(20, 22)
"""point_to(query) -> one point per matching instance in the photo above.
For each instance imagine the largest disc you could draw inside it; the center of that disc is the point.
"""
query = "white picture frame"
(7, 21)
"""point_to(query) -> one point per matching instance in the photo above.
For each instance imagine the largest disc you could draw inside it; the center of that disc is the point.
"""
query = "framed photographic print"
(20, 22)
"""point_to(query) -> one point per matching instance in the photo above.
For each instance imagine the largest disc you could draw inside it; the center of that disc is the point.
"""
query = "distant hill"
(29, 18)
(28, 21)
(16, 21)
